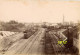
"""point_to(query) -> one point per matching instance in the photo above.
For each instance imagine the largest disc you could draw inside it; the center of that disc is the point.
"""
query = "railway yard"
(41, 42)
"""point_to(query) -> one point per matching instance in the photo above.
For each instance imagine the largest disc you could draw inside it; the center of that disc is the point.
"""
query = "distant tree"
(78, 26)
(12, 26)
(12, 22)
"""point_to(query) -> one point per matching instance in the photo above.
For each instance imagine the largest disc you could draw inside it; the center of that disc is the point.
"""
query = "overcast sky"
(39, 10)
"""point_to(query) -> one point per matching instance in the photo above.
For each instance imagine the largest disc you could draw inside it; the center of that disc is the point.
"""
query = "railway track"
(6, 42)
(41, 42)
(28, 46)
(33, 47)
(57, 48)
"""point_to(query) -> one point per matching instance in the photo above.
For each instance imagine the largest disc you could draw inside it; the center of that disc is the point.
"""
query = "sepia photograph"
(39, 27)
